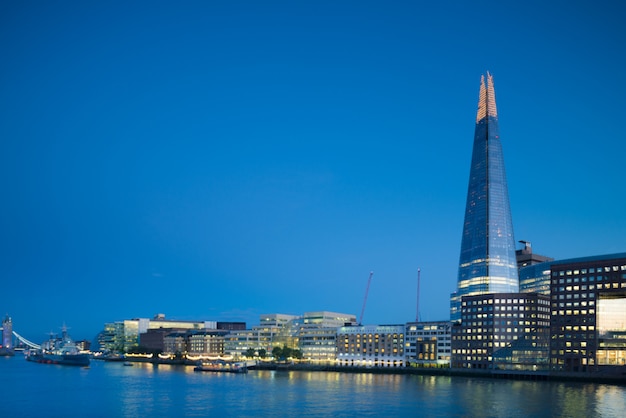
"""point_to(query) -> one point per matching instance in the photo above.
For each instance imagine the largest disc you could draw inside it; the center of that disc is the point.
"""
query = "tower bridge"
(23, 340)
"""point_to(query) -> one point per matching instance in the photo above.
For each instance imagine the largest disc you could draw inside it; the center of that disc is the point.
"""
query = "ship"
(57, 350)
(221, 366)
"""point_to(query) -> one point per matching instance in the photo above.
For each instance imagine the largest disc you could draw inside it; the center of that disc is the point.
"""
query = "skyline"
(248, 159)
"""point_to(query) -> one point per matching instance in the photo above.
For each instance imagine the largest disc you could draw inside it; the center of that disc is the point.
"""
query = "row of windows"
(575, 296)
(586, 279)
(577, 288)
(574, 312)
(606, 269)
(582, 304)
(480, 337)
(370, 351)
(570, 344)
(532, 318)
(521, 301)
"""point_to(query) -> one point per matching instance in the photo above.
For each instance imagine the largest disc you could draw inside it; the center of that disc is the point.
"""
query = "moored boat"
(221, 366)
(59, 351)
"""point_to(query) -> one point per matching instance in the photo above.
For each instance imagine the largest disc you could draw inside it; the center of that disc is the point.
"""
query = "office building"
(274, 330)
(371, 346)
(506, 331)
(526, 257)
(535, 278)
(428, 344)
(487, 262)
(205, 343)
(588, 314)
(122, 336)
(317, 335)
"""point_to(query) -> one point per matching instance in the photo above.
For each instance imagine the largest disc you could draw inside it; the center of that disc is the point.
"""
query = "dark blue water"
(113, 390)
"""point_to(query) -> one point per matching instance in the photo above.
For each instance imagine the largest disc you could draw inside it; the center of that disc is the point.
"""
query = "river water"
(144, 390)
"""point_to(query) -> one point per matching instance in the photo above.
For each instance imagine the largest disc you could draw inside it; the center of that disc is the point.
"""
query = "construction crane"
(417, 314)
(367, 289)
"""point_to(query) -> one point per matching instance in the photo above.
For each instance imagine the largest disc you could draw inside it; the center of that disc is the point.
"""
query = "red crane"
(367, 289)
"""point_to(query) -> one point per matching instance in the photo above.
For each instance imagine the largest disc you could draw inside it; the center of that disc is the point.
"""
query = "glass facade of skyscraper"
(487, 262)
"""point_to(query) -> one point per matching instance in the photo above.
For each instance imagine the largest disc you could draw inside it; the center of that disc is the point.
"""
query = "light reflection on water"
(112, 390)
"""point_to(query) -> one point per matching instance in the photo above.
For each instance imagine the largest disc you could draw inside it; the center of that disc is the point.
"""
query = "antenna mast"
(367, 289)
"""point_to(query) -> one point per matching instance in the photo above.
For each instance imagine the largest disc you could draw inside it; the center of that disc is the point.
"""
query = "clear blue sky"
(218, 160)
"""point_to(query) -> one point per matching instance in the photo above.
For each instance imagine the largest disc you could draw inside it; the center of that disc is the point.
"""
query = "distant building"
(83, 345)
(588, 321)
(535, 278)
(231, 326)
(317, 334)
(313, 333)
(238, 342)
(502, 331)
(122, 336)
(534, 270)
(428, 344)
(274, 330)
(487, 262)
(371, 346)
(205, 343)
(525, 257)
(111, 338)
(153, 340)
(278, 330)
(175, 343)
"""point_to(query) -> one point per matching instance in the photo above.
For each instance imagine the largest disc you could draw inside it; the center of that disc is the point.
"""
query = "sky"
(219, 160)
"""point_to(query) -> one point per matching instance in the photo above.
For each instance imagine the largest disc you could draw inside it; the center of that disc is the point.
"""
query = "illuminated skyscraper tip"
(486, 99)
(487, 263)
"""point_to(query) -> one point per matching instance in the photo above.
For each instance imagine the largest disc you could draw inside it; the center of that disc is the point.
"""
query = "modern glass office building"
(487, 263)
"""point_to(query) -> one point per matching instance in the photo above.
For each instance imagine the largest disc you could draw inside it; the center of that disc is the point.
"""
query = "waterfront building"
(506, 331)
(428, 344)
(317, 334)
(588, 314)
(487, 262)
(122, 336)
(278, 330)
(238, 342)
(371, 346)
(153, 340)
(175, 343)
(274, 330)
(111, 338)
(206, 343)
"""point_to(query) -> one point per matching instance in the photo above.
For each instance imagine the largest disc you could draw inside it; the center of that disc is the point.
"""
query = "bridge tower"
(6, 346)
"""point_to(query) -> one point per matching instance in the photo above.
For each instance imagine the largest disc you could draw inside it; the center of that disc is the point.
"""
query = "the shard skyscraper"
(487, 263)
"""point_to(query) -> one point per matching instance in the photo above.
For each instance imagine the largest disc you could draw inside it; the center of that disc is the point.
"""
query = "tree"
(249, 352)
(287, 352)
(277, 353)
(262, 353)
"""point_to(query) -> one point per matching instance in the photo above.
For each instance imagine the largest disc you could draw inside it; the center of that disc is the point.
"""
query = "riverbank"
(614, 379)
(618, 377)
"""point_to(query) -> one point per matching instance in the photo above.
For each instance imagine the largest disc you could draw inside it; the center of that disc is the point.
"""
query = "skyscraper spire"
(486, 99)
(487, 262)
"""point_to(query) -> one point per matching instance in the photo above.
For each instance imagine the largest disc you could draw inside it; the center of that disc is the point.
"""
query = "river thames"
(114, 390)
